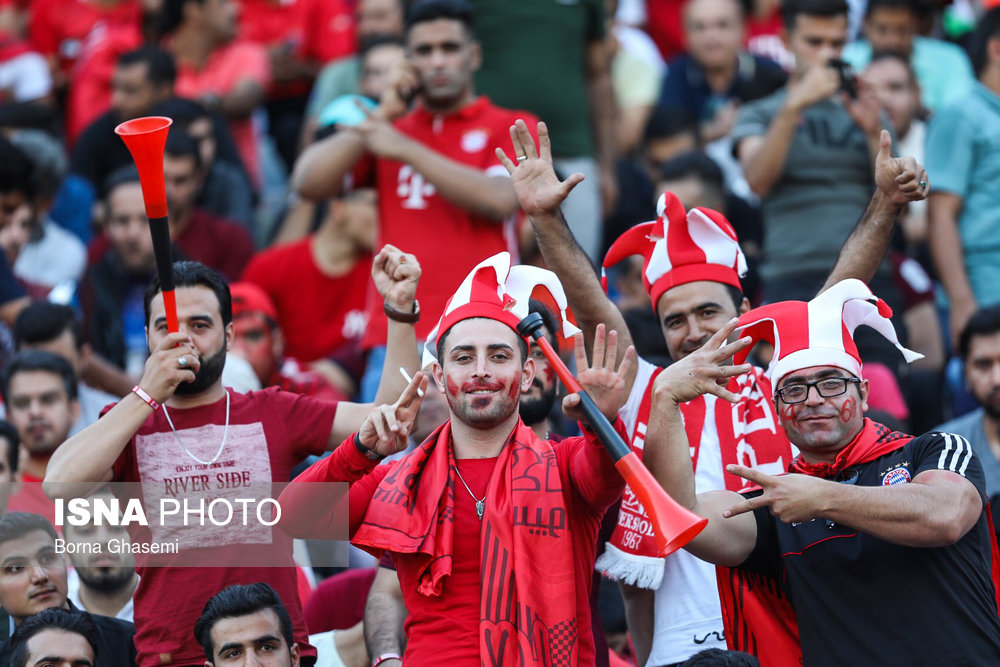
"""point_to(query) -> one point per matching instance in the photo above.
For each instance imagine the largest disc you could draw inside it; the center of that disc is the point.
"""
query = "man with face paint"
(496, 513)
(179, 422)
(870, 525)
(692, 266)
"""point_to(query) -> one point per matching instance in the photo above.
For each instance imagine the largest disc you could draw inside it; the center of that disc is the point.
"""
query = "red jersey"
(218, 243)
(269, 432)
(447, 240)
(318, 313)
(320, 30)
(60, 28)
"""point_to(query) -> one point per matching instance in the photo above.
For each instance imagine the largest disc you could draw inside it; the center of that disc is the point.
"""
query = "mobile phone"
(848, 80)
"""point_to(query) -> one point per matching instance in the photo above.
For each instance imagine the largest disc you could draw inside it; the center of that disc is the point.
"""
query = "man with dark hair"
(466, 540)
(692, 268)
(103, 577)
(942, 68)
(33, 579)
(717, 74)
(979, 350)
(55, 638)
(223, 245)
(807, 152)
(964, 208)
(142, 78)
(180, 423)
(40, 393)
(433, 165)
(54, 328)
(224, 73)
(10, 453)
(244, 620)
(226, 191)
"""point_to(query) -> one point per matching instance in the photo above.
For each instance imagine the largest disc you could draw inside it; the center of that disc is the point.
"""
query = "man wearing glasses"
(878, 545)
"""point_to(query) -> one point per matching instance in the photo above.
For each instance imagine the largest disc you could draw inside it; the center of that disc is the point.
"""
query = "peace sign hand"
(706, 370)
(386, 429)
(791, 498)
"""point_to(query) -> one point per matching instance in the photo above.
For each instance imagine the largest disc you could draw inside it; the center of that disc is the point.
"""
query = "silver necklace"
(480, 502)
(225, 434)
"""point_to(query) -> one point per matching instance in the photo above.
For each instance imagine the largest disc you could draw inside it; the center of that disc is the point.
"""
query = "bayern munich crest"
(896, 476)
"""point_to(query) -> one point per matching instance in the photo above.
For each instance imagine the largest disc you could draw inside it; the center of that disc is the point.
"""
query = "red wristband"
(146, 398)
(386, 656)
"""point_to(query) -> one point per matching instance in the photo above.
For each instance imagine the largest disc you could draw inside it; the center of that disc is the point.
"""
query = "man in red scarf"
(692, 270)
(492, 529)
(881, 542)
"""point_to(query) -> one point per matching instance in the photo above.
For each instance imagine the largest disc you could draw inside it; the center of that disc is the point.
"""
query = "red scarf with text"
(747, 434)
(525, 618)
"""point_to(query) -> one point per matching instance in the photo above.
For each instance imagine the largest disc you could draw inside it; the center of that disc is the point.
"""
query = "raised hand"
(706, 370)
(396, 275)
(605, 385)
(172, 361)
(791, 498)
(538, 188)
(865, 109)
(902, 179)
(818, 83)
(387, 427)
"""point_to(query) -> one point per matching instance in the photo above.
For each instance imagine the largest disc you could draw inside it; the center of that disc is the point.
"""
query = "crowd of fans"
(332, 174)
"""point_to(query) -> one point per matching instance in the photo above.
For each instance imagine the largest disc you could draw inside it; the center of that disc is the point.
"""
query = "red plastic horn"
(673, 524)
(146, 139)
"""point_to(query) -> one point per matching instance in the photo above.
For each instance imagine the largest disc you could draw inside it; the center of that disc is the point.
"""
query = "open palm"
(536, 184)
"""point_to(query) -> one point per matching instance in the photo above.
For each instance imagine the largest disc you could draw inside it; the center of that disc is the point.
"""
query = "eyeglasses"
(827, 388)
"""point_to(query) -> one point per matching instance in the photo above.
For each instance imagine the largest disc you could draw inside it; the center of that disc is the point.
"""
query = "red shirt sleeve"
(308, 510)
(592, 471)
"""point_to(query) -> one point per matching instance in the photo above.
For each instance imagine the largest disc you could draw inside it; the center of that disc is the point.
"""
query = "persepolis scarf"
(748, 434)
(526, 617)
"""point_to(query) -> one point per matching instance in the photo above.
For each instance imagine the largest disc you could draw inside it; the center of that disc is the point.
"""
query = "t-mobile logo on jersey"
(412, 187)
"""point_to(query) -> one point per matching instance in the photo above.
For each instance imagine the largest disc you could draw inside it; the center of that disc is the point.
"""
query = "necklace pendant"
(480, 508)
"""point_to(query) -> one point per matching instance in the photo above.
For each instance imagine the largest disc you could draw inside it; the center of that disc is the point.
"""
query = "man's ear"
(744, 306)
(437, 372)
(230, 336)
(863, 390)
(527, 374)
(294, 653)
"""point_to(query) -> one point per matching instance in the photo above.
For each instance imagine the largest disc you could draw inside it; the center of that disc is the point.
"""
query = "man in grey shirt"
(807, 152)
(979, 349)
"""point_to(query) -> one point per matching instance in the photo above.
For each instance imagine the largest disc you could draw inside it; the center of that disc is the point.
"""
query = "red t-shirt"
(225, 68)
(318, 29)
(31, 498)
(318, 313)
(58, 27)
(90, 94)
(217, 243)
(447, 240)
(270, 431)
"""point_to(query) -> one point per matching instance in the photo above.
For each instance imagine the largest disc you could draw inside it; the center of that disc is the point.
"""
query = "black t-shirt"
(863, 601)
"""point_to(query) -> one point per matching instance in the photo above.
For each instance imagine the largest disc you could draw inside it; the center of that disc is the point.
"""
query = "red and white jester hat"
(820, 332)
(498, 291)
(681, 247)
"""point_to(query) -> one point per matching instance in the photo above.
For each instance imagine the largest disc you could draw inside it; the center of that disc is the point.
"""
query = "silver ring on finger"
(522, 157)
(182, 362)
(923, 184)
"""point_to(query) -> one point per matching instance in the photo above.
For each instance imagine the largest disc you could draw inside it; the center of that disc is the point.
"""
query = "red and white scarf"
(525, 618)
(748, 434)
